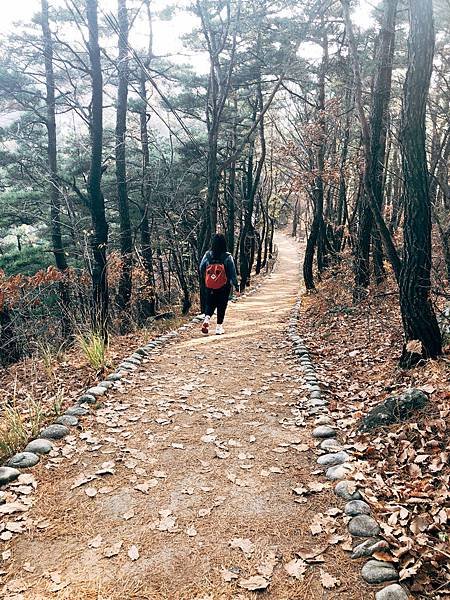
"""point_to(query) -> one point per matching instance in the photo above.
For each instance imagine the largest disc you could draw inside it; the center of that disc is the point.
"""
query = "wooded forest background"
(117, 164)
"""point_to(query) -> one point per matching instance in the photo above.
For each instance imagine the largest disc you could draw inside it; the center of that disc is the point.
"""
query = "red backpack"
(216, 276)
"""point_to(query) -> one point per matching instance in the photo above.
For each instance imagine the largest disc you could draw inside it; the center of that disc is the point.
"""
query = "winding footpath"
(195, 480)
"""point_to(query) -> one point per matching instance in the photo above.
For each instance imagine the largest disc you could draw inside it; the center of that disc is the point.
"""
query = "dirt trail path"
(207, 446)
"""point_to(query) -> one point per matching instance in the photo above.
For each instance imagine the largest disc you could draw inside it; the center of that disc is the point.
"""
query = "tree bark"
(375, 166)
(419, 320)
(317, 226)
(386, 237)
(126, 241)
(148, 305)
(55, 201)
(99, 239)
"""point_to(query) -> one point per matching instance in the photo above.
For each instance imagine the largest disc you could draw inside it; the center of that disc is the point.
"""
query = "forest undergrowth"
(404, 469)
(41, 386)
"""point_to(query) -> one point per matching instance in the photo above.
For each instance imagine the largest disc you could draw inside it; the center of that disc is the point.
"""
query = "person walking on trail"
(218, 272)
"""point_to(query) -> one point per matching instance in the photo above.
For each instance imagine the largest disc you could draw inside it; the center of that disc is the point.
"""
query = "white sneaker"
(219, 330)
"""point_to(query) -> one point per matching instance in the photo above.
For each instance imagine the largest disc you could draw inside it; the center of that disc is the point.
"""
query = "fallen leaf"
(228, 575)
(245, 545)
(296, 568)
(254, 583)
(12, 507)
(328, 581)
(96, 542)
(133, 552)
(112, 550)
(266, 567)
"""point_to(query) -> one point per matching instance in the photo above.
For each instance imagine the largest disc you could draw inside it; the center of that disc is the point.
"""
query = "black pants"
(217, 299)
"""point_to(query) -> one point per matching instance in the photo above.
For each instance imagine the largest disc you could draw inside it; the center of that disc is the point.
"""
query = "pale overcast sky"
(166, 34)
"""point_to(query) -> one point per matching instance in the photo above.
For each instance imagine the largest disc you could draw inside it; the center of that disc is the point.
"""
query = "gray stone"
(114, 377)
(39, 446)
(394, 410)
(96, 391)
(338, 472)
(133, 361)
(343, 492)
(315, 410)
(324, 431)
(392, 592)
(8, 474)
(313, 388)
(309, 377)
(126, 366)
(54, 432)
(106, 384)
(76, 411)
(67, 420)
(332, 459)
(368, 547)
(141, 352)
(87, 399)
(22, 460)
(331, 445)
(376, 571)
(357, 507)
(324, 421)
(318, 402)
(363, 526)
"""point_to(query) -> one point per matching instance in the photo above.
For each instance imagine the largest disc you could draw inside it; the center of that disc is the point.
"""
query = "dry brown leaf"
(245, 545)
(296, 568)
(254, 583)
(228, 575)
(96, 542)
(328, 581)
(112, 550)
(133, 552)
(266, 567)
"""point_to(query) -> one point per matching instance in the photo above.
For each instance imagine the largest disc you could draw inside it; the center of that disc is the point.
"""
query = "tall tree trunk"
(231, 202)
(386, 237)
(55, 201)
(126, 240)
(317, 226)
(375, 167)
(247, 244)
(419, 320)
(99, 240)
(148, 305)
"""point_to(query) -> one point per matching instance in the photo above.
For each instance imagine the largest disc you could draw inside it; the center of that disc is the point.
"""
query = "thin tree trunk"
(99, 240)
(126, 240)
(317, 224)
(375, 166)
(148, 305)
(419, 320)
(386, 237)
(55, 201)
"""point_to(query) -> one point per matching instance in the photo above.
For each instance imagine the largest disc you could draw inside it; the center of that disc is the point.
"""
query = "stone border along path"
(336, 462)
(43, 444)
